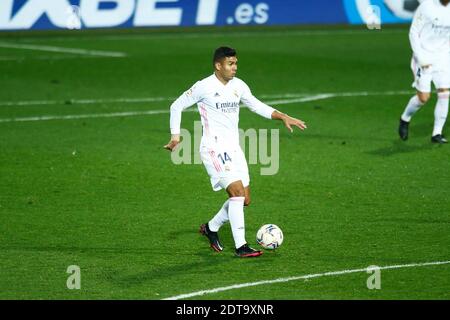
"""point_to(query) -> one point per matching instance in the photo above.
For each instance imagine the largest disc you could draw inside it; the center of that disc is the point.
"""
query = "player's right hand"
(174, 141)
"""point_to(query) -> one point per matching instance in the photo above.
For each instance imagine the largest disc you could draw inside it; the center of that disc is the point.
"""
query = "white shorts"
(224, 164)
(438, 73)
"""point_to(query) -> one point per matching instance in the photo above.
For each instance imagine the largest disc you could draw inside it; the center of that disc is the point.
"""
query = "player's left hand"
(290, 122)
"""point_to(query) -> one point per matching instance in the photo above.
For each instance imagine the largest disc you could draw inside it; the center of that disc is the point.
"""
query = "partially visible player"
(218, 97)
(430, 40)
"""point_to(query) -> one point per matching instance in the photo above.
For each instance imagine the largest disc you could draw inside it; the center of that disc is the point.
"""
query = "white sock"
(414, 104)
(440, 112)
(236, 216)
(220, 218)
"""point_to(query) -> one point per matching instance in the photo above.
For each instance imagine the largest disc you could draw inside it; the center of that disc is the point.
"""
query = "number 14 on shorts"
(225, 157)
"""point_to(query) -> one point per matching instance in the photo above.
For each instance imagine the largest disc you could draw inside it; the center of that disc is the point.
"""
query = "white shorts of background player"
(438, 74)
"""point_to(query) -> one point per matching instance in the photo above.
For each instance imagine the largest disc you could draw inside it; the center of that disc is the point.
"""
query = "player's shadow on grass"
(417, 130)
(168, 272)
(399, 147)
(422, 131)
(203, 261)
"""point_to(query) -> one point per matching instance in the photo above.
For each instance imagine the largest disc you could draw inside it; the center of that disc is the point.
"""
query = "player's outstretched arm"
(174, 141)
(267, 111)
(183, 102)
(289, 121)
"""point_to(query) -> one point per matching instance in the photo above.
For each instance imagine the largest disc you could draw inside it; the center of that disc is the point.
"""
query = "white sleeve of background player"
(418, 23)
(183, 102)
(254, 104)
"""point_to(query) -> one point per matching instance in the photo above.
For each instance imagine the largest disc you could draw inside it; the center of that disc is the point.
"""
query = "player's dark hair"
(223, 52)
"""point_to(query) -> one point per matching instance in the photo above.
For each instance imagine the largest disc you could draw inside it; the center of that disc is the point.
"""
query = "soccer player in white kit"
(218, 97)
(430, 40)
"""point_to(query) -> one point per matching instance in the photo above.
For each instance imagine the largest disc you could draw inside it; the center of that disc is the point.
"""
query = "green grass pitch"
(101, 193)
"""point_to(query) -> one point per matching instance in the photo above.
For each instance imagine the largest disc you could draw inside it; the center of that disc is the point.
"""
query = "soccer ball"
(269, 236)
(403, 8)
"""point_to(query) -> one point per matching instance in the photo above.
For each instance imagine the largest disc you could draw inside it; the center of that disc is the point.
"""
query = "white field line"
(82, 101)
(97, 53)
(150, 112)
(323, 96)
(46, 58)
(227, 34)
(290, 98)
(303, 277)
(121, 100)
(87, 116)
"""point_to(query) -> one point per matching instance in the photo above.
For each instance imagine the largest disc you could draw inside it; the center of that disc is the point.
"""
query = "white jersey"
(430, 33)
(218, 105)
